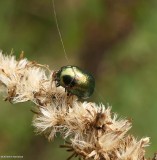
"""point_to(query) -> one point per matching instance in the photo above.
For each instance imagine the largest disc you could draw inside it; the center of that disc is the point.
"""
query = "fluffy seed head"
(94, 132)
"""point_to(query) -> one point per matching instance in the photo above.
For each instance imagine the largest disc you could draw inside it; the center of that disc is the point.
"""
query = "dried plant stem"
(94, 132)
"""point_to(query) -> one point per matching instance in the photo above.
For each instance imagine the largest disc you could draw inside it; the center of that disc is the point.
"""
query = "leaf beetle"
(75, 81)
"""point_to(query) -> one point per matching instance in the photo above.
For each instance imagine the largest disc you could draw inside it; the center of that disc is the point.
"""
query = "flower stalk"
(93, 131)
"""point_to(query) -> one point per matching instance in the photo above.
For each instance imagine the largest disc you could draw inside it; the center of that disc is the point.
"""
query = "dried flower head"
(94, 132)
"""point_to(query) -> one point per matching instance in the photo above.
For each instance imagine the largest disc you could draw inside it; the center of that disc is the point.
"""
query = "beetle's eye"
(68, 80)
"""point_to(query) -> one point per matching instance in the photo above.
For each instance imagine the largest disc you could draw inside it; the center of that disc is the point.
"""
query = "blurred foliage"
(125, 69)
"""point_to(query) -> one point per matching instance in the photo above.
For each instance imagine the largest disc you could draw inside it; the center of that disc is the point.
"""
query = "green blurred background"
(113, 39)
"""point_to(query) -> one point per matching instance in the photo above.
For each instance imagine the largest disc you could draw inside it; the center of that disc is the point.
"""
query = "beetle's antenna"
(58, 29)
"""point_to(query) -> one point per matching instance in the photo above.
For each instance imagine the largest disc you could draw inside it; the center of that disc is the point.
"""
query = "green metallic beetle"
(75, 81)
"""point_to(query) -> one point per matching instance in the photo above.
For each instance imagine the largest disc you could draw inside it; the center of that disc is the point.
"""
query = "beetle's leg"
(57, 84)
(68, 93)
(66, 90)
